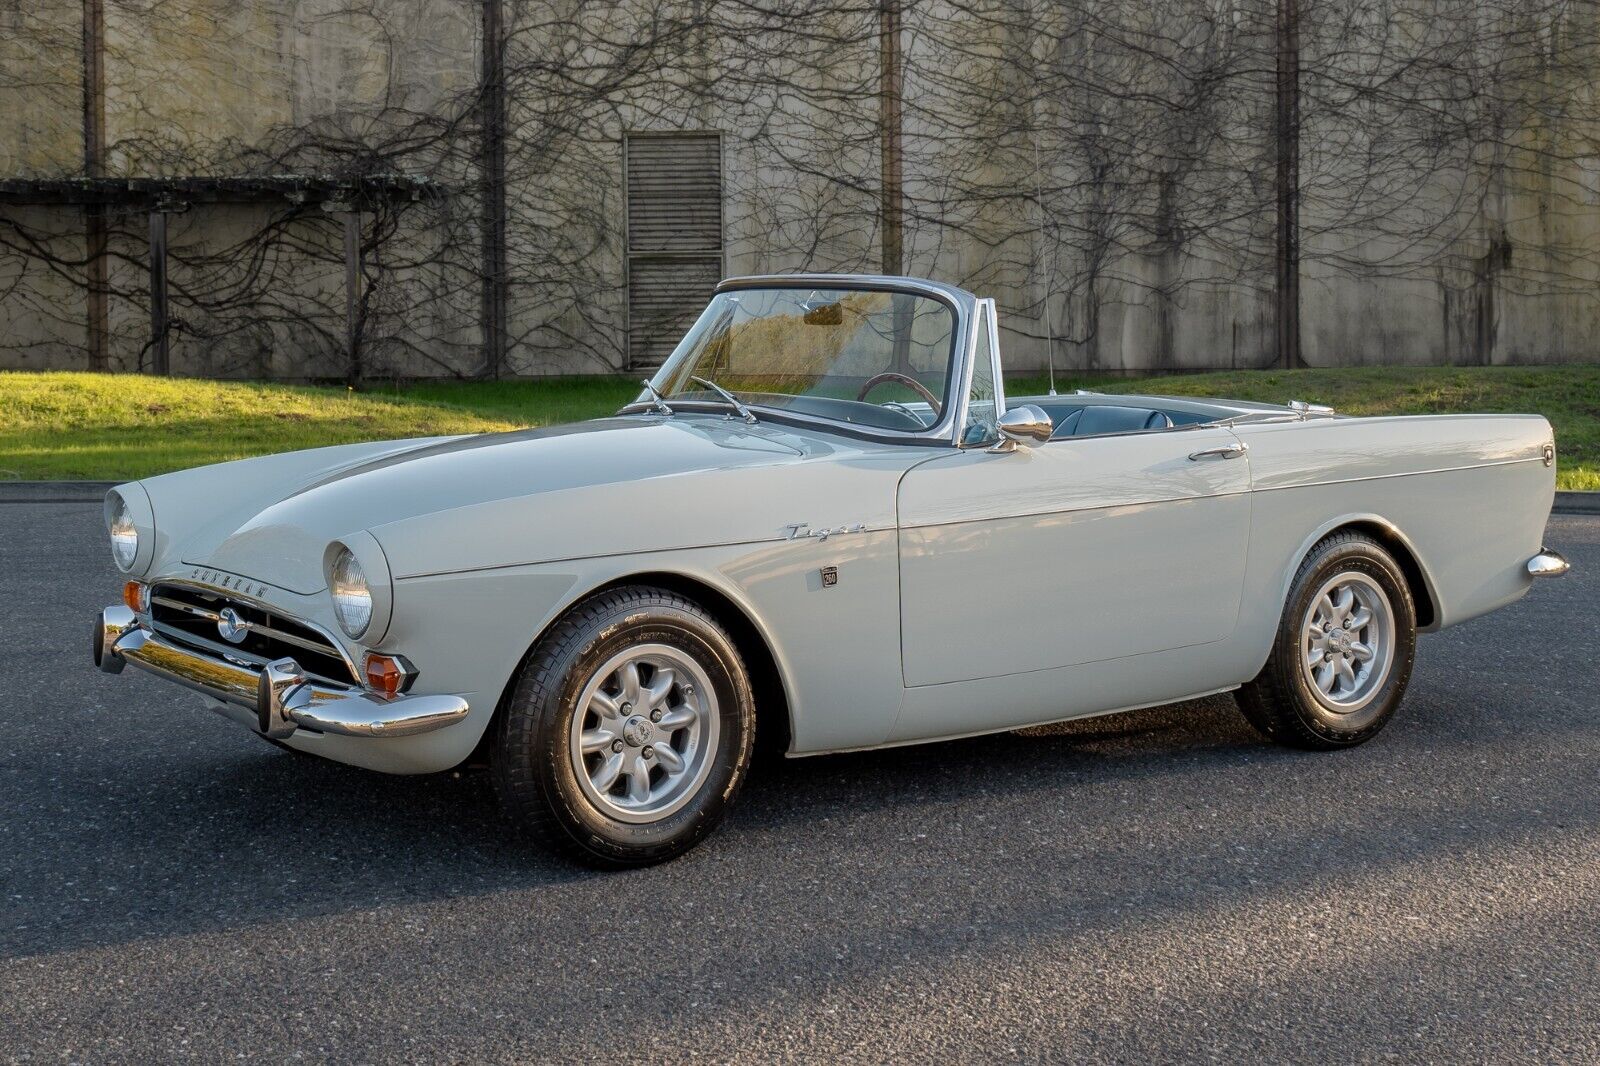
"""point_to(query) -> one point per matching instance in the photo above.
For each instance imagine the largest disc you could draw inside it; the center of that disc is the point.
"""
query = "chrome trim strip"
(1403, 473)
(1074, 510)
(290, 638)
(1548, 564)
(894, 282)
(782, 534)
(187, 608)
(781, 537)
(1253, 490)
(290, 696)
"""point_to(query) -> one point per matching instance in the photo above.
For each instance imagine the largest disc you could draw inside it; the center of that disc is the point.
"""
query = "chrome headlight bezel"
(130, 523)
(359, 587)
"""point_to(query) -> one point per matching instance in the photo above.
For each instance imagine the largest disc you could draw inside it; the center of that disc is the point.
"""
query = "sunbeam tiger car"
(823, 518)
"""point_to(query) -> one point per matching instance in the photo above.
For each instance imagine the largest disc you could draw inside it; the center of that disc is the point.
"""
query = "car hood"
(282, 540)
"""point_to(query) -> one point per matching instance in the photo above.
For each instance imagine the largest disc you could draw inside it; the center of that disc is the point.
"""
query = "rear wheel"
(629, 731)
(1343, 654)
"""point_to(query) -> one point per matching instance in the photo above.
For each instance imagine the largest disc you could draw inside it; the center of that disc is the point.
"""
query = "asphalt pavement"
(1159, 885)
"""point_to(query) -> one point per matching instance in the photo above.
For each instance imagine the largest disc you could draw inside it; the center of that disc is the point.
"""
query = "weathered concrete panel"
(1102, 169)
(41, 88)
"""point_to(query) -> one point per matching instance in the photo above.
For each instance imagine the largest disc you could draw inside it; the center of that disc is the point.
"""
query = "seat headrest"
(1066, 423)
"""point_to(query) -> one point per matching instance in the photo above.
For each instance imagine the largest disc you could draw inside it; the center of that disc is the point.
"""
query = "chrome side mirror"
(1027, 425)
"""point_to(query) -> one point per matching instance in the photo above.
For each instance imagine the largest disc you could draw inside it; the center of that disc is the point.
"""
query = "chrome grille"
(190, 615)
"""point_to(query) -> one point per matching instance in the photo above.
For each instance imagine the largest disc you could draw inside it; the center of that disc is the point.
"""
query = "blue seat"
(1107, 418)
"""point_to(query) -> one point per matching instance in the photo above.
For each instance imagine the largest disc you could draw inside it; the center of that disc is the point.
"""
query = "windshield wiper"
(733, 401)
(656, 402)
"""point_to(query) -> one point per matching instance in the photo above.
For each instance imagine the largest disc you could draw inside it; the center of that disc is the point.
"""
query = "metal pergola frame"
(160, 197)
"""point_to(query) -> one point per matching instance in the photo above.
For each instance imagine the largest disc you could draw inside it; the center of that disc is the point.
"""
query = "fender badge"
(830, 576)
(803, 530)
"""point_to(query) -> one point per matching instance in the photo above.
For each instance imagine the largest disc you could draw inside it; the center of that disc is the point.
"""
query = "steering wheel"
(910, 382)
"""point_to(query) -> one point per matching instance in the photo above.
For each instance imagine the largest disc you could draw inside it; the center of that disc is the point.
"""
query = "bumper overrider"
(1548, 564)
(282, 695)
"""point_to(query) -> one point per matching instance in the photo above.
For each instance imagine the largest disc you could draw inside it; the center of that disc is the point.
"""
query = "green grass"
(543, 403)
(113, 427)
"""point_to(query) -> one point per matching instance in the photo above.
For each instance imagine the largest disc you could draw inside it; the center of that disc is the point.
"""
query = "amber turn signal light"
(388, 675)
(136, 594)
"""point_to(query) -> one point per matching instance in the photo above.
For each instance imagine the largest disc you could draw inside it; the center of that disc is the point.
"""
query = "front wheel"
(629, 731)
(1343, 654)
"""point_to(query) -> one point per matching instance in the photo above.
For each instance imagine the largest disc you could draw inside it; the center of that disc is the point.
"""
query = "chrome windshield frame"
(945, 431)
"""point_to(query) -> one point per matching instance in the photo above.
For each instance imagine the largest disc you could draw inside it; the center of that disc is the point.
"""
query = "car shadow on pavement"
(249, 835)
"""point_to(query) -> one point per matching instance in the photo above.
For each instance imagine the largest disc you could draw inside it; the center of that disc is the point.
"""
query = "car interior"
(1071, 416)
(1081, 418)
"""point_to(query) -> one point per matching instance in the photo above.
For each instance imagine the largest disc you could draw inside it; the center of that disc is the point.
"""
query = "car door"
(1082, 550)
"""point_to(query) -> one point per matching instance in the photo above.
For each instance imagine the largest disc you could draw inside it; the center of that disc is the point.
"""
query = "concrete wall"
(222, 88)
(1151, 250)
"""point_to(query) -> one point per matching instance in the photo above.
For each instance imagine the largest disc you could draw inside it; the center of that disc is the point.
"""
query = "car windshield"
(872, 358)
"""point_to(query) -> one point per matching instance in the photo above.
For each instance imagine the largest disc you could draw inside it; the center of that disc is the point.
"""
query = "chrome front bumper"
(1548, 564)
(283, 698)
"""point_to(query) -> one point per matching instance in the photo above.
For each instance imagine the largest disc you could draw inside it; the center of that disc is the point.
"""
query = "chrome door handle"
(1227, 451)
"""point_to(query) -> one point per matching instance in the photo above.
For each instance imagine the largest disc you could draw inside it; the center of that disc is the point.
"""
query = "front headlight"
(124, 535)
(352, 597)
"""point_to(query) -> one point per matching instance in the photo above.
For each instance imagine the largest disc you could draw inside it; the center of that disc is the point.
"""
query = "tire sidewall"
(591, 829)
(1353, 556)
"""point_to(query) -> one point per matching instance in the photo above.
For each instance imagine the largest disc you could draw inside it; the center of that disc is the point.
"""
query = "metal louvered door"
(674, 237)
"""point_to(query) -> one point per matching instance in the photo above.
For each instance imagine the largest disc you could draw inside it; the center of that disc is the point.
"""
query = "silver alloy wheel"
(1347, 642)
(645, 733)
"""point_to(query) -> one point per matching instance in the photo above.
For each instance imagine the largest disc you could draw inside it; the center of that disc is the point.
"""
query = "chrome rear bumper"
(282, 696)
(1548, 564)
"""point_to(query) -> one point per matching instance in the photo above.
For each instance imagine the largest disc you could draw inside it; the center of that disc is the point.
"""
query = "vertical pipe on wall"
(1287, 143)
(160, 352)
(492, 189)
(352, 295)
(889, 123)
(891, 185)
(94, 216)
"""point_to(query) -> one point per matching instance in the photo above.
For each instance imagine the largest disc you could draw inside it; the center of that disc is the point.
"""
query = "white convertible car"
(823, 520)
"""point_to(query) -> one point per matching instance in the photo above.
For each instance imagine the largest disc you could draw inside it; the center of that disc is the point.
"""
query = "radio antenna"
(1050, 269)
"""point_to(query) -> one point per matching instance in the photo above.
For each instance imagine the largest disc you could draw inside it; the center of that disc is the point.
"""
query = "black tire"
(1282, 701)
(532, 758)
